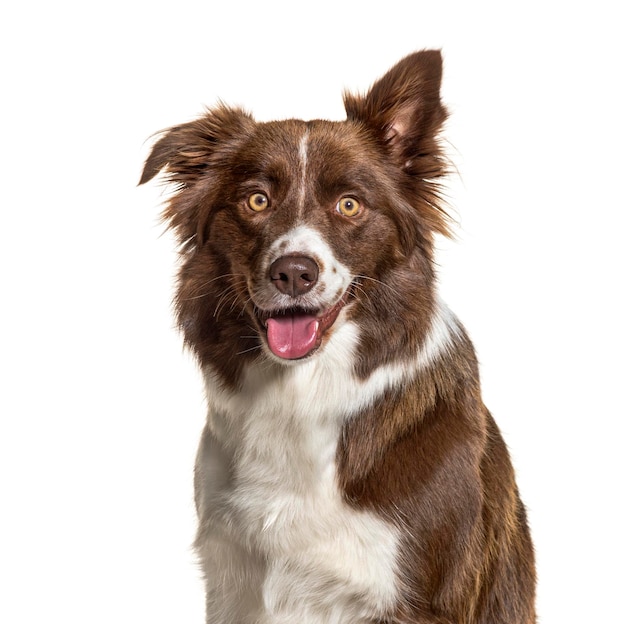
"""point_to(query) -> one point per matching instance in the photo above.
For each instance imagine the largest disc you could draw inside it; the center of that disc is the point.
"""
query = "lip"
(325, 318)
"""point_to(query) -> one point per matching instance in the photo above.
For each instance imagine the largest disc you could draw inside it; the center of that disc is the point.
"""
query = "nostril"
(294, 275)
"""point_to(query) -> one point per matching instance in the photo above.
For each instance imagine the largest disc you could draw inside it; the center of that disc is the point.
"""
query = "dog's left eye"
(258, 202)
(348, 207)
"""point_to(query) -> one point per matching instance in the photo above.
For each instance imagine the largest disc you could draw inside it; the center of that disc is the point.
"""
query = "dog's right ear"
(186, 152)
(192, 156)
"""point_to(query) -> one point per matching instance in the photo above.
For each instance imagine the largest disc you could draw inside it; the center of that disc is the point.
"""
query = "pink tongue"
(292, 336)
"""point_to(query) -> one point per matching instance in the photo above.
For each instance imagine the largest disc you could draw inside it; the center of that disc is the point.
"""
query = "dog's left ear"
(404, 112)
(404, 107)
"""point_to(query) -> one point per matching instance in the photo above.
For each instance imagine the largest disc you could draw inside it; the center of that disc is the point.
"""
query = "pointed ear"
(403, 107)
(403, 110)
(188, 150)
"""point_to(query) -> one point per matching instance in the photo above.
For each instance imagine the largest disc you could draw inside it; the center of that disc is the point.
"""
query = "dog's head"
(289, 228)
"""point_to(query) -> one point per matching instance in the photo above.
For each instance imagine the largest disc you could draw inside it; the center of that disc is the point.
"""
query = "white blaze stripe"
(303, 153)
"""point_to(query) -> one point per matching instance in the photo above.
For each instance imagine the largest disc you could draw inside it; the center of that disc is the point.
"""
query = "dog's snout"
(294, 275)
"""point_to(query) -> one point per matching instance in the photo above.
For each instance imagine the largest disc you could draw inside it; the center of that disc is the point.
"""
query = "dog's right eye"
(258, 202)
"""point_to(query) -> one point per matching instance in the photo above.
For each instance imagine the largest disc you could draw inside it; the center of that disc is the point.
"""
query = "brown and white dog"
(349, 471)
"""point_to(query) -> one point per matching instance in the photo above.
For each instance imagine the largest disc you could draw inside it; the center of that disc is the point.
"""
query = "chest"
(266, 485)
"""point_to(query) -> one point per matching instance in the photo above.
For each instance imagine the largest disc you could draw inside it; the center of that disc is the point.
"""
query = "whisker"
(245, 305)
(376, 281)
(254, 348)
(229, 292)
(209, 282)
(362, 290)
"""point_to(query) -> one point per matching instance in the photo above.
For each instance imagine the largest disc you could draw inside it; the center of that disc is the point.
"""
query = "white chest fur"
(277, 542)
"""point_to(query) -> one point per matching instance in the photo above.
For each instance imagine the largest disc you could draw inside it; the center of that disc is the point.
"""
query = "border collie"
(349, 472)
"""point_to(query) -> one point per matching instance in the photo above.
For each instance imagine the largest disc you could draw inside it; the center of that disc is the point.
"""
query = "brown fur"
(428, 457)
(441, 472)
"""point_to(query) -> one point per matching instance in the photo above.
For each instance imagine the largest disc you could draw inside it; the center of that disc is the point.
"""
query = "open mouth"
(294, 333)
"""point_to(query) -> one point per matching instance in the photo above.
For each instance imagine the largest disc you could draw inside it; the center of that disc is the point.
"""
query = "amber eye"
(258, 202)
(348, 207)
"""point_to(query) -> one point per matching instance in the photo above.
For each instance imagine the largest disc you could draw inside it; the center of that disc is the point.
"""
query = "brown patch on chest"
(429, 459)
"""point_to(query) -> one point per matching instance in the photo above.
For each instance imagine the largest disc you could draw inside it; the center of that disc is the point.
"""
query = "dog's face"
(290, 228)
(304, 208)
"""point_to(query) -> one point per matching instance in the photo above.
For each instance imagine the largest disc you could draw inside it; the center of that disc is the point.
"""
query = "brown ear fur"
(186, 150)
(403, 110)
(192, 154)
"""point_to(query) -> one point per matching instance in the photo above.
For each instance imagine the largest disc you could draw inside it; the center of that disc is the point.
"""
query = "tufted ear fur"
(188, 150)
(403, 110)
(192, 156)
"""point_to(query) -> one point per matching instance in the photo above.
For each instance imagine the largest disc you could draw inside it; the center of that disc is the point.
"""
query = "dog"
(349, 472)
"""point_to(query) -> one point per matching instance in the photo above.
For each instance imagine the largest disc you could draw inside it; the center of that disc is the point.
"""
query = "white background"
(100, 407)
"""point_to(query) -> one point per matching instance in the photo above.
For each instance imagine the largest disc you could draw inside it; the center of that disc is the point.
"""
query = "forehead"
(318, 143)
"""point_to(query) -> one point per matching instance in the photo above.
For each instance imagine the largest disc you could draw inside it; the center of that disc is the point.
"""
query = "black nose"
(294, 275)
